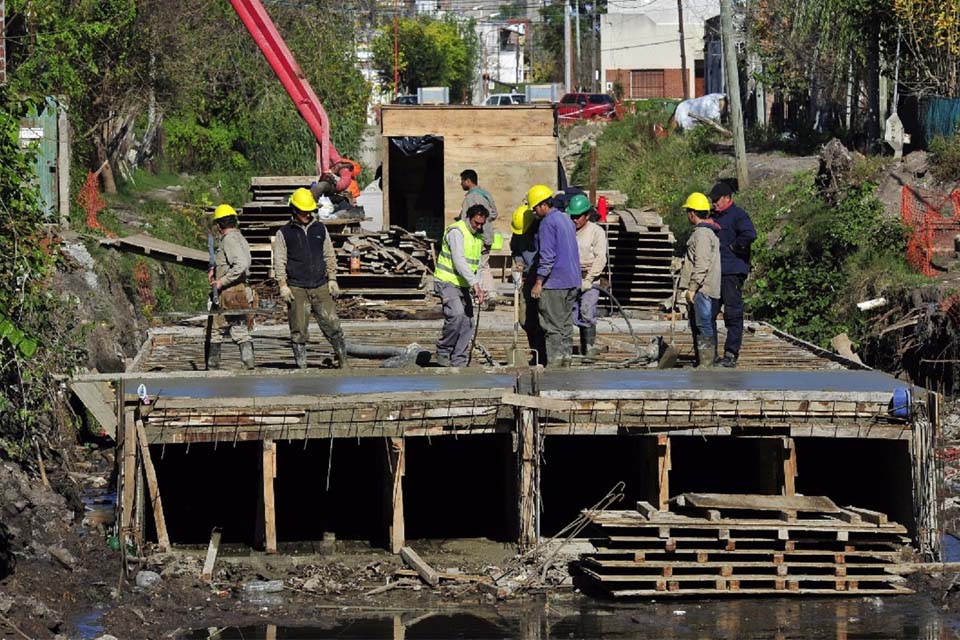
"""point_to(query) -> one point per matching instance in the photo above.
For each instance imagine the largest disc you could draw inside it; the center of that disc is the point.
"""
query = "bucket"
(900, 403)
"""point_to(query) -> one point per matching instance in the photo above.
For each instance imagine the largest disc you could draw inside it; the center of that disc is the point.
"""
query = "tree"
(432, 53)
(931, 39)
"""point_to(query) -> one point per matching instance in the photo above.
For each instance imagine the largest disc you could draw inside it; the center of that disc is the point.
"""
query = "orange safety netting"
(91, 202)
(933, 220)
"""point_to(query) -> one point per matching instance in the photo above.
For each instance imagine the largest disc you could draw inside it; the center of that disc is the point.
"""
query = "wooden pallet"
(744, 544)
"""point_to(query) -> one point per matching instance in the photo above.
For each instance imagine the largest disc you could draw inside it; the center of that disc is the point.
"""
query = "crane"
(264, 33)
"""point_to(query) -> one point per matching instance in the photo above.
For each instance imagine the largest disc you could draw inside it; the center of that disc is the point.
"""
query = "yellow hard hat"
(697, 201)
(537, 194)
(303, 200)
(522, 219)
(223, 211)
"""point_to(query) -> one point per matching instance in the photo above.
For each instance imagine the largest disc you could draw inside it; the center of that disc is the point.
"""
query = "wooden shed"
(510, 148)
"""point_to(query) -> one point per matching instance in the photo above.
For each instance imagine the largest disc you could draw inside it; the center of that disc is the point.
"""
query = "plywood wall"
(510, 148)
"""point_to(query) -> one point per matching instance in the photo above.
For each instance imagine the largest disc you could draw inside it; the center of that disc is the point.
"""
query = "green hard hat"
(579, 204)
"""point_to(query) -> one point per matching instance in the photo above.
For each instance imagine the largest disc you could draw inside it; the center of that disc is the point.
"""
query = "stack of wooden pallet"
(723, 544)
(641, 254)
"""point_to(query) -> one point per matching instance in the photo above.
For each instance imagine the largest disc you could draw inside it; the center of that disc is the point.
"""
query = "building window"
(647, 84)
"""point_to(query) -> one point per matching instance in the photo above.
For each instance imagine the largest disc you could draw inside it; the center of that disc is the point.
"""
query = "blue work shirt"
(736, 234)
(558, 261)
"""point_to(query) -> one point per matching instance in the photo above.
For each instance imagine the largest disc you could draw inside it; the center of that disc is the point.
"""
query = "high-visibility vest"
(472, 249)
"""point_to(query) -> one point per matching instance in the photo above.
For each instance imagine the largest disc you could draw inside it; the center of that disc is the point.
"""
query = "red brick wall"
(672, 82)
(3, 44)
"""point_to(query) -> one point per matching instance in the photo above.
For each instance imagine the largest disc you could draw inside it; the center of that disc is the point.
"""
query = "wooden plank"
(466, 121)
(397, 466)
(163, 540)
(789, 467)
(212, 549)
(267, 521)
(873, 517)
(664, 464)
(429, 575)
(753, 502)
(129, 471)
(91, 396)
(528, 461)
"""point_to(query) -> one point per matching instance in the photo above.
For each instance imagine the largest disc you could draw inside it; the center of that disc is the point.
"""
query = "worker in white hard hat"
(228, 278)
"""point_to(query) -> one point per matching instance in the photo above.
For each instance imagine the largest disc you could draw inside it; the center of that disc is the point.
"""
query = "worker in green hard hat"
(592, 245)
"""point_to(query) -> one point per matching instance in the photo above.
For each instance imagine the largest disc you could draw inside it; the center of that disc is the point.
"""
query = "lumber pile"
(392, 258)
(641, 254)
(725, 544)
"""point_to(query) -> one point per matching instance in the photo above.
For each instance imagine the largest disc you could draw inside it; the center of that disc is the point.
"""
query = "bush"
(945, 158)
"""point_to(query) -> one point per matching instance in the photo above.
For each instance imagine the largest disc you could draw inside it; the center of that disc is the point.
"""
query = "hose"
(636, 342)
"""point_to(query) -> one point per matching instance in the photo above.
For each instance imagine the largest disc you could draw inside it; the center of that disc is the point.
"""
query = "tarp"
(707, 106)
(940, 117)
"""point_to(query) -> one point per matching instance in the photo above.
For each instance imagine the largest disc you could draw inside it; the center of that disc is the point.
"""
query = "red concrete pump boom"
(265, 34)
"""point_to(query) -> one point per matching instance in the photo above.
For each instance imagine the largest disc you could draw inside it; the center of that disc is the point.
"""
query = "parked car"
(409, 99)
(502, 99)
(588, 106)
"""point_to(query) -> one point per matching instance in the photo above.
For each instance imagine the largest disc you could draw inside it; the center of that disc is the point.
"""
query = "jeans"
(731, 297)
(703, 315)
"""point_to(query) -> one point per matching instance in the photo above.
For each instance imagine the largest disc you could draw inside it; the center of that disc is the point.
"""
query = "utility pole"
(396, 48)
(593, 47)
(567, 49)
(683, 53)
(733, 92)
(579, 65)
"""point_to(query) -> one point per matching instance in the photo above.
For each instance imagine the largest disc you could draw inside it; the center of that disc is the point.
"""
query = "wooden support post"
(211, 559)
(156, 502)
(526, 419)
(397, 461)
(128, 490)
(664, 464)
(788, 454)
(267, 516)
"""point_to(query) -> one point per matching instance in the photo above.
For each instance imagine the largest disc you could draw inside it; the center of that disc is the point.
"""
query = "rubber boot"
(588, 342)
(706, 351)
(340, 352)
(213, 356)
(246, 354)
(300, 355)
(728, 361)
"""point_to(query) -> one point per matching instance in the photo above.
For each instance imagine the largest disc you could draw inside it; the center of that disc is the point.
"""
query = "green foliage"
(432, 53)
(945, 158)
(28, 258)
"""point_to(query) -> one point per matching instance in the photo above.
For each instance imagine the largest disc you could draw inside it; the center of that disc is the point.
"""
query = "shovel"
(668, 359)
(513, 349)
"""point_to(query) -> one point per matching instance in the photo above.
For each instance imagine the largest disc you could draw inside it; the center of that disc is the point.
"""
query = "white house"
(640, 46)
(502, 58)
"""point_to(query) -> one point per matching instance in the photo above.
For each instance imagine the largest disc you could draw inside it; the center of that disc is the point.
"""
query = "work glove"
(689, 295)
(286, 293)
(586, 284)
(334, 288)
(517, 276)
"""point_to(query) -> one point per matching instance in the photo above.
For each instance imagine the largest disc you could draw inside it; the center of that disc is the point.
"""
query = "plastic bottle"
(355, 261)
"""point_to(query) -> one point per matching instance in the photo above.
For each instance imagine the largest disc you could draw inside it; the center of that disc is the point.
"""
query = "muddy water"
(889, 618)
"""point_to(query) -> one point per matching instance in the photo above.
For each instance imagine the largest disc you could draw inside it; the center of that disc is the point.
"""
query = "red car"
(588, 106)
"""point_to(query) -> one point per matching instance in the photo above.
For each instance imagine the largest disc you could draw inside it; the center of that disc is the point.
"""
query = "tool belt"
(240, 296)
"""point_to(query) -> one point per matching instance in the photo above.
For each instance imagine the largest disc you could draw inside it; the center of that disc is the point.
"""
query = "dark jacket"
(306, 267)
(736, 233)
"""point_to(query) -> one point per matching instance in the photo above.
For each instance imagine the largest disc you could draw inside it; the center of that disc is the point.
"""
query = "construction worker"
(229, 279)
(557, 278)
(736, 233)
(592, 245)
(340, 184)
(455, 278)
(700, 278)
(523, 250)
(305, 266)
(476, 195)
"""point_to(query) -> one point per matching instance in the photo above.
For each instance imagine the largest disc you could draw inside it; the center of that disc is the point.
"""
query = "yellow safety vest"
(472, 248)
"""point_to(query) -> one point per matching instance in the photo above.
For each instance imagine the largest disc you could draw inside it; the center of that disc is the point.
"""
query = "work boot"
(340, 352)
(706, 351)
(728, 361)
(246, 354)
(213, 356)
(300, 355)
(588, 339)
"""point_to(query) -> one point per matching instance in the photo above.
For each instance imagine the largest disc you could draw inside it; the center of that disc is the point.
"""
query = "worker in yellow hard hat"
(700, 278)
(523, 251)
(305, 266)
(228, 277)
(557, 275)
